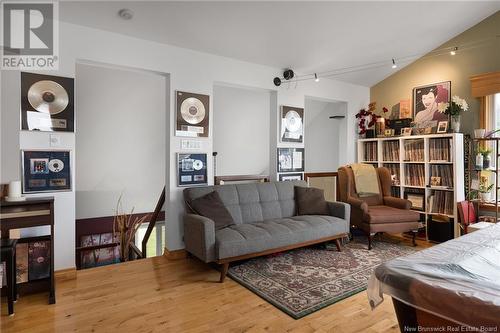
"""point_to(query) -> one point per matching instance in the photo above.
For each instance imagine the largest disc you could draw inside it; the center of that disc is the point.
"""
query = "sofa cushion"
(210, 205)
(241, 239)
(387, 214)
(311, 201)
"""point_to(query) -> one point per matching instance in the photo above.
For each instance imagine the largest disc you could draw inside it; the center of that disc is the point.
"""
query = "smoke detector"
(126, 14)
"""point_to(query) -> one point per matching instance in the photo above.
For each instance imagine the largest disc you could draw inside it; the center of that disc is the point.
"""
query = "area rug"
(302, 281)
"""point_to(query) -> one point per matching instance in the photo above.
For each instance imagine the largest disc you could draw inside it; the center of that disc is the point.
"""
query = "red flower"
(385, 109)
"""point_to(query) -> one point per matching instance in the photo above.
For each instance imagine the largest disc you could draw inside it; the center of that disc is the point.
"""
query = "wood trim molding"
(65, 274)
(174, 254)
(485, 84)
(220, 180)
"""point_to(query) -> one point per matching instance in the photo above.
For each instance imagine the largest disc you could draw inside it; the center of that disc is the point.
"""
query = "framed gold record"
(291, 124)
(47, 103)
(192, 114)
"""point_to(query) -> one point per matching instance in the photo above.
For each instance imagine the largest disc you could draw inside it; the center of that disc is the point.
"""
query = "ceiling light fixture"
(454, 51)
(126, 14)
(394, 63)
(316, 78)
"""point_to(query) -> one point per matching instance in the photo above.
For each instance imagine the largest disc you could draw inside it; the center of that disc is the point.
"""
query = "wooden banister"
(152, 223)
(219, 180)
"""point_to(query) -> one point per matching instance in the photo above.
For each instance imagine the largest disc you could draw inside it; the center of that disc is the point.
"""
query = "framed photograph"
(290, 176)
(426, 103)
(47, 103)
(389, 132)
(442, 127)
(406, 131)
(292, 124)
(417, 200)
(435, 181)
(405, 109)
(290, 160)
(192, 116)
(46, 171)
(192, 169)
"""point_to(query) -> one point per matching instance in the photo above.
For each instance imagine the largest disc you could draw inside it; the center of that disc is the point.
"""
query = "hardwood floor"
(158, 295)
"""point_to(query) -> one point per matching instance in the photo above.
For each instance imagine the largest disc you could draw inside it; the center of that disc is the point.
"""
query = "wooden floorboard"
(161, 295)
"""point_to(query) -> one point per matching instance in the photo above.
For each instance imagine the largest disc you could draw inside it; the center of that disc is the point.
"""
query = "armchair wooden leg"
(370, 238)
(337, 244)
(414, 236)
(223, 271)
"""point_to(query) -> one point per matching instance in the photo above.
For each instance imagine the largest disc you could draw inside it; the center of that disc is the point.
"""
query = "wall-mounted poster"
(47, 103)
(192, 169)
(46, 171)
(283, 177)
(192, 114)
(292, 124)
(38, 260)
(290, 159)
(429, 102)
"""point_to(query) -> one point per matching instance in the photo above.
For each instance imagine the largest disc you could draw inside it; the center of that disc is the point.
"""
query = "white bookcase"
(420, 167)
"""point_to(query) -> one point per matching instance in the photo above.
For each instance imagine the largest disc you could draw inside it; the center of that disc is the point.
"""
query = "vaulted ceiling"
(306, 36)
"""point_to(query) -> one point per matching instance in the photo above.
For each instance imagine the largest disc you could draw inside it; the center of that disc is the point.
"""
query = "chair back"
(347, 186)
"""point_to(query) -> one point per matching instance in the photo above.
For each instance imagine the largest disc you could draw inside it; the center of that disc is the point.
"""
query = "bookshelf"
(413, 162)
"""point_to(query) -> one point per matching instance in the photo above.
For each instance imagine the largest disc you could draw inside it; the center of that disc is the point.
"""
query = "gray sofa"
(266, 222)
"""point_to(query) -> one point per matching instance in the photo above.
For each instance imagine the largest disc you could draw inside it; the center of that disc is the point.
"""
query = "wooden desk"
(33, 212)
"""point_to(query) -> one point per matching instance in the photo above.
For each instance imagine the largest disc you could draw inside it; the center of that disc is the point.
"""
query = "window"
(495, 109)
(156, 242)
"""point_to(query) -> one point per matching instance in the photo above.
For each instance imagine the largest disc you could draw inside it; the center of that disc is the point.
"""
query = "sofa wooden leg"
(370, 237)
(337, 244)
(413, 239)
(223, 271)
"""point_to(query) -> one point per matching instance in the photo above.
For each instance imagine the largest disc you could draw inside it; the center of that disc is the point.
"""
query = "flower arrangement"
(367, 117)
(457, 106)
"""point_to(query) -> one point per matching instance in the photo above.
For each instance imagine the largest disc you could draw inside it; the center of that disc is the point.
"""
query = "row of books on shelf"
(439, 202)
(441, 175)
(370, 153)
(415, 175)
(414, 150)
(391, 151)
(439, 149)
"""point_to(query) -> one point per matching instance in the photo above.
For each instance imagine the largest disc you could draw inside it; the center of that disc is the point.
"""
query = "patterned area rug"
(302, 281)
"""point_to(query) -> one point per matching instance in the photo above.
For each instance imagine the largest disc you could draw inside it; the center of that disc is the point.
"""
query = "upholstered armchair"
(379, 212)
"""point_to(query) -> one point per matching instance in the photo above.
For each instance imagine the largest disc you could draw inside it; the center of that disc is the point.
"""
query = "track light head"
(454, 51)
(394, 63)
(316, 78)
(277, 81)
(126, 14)
(288, 74)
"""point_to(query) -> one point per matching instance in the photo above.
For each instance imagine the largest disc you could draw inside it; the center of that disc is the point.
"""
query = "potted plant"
(485, 152)
(453, 110)
(485, 192)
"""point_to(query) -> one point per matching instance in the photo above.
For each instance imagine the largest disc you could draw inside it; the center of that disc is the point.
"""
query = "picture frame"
(389, 132)
(46, 171)
(417, 200)
(290, 160)
(435, 181)
(191, 169)
(406, 131)
(442, 127)
(290, 176)
(291, 124)
(192, 114)
(426, 103)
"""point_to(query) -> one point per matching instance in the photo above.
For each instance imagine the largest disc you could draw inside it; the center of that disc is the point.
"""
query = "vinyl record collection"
(395, 172)
(439, 150)
(32, 260)
(370, 153)
(391, 151)
(444, 172)
(441, 202)
(414, 150)
(415, 175)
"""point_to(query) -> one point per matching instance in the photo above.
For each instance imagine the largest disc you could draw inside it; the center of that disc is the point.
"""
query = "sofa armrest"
(340, 210)
(397, 202)
(199, 236)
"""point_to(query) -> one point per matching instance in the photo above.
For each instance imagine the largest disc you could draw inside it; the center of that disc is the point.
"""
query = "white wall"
(120, 139)
(241, 130)
(189, 71)
(323, 135)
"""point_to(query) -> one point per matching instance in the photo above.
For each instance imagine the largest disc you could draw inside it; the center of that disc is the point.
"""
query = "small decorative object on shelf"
(479, 133)
(367, 119)
(453, 110)
(486, 153)
(479, 161)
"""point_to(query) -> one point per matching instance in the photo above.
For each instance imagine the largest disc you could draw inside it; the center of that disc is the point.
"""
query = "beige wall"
(456, 69)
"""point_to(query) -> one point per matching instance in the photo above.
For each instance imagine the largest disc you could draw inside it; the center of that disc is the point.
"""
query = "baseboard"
(175, 254)
(65, 274)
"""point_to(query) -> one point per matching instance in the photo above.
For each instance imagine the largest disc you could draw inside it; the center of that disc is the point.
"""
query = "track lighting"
(394, 63)
(316, 78)
(277, 81)
(126, 14)
(454, 51)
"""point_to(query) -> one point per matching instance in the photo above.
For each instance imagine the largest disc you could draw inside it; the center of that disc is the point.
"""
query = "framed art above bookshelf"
(426, 169)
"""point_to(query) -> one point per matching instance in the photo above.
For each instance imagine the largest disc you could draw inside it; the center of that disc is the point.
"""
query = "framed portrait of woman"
(429, 103)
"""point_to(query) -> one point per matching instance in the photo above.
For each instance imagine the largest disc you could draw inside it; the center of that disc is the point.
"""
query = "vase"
(485, 196)
(486, 161)
(479, 161)
(455, 123)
